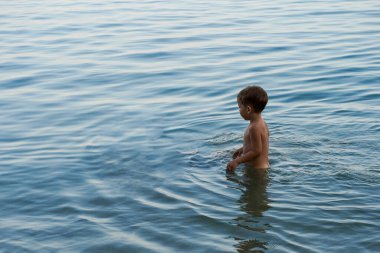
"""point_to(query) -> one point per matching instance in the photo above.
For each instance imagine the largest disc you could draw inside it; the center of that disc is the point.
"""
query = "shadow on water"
(253, 203)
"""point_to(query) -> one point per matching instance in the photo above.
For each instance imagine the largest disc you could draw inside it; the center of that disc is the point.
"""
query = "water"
(118, 118)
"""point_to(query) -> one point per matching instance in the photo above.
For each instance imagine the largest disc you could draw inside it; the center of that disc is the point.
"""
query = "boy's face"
(244, 110)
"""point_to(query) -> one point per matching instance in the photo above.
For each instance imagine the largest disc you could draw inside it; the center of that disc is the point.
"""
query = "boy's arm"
(237, 153)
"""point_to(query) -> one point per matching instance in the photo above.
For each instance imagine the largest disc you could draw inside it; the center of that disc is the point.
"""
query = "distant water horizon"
(118, 119)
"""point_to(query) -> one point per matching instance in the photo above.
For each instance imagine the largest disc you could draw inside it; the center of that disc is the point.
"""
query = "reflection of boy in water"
(254, 203)
(252, 101)
(254, 199)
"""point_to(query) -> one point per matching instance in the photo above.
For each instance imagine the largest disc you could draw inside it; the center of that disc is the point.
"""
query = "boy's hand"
(232, 165)
(237, 153)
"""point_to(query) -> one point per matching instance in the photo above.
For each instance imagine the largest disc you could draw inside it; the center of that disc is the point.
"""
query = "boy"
(252, 101)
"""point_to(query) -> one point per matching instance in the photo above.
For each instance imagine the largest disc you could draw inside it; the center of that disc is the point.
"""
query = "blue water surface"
(118, 118)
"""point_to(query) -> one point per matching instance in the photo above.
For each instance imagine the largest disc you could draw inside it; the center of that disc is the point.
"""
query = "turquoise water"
(118, 118)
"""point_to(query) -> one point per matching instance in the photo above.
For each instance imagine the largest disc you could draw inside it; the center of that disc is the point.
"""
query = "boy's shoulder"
(256, 126)
(253, 127)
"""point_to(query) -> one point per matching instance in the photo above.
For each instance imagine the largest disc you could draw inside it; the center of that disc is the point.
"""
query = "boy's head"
(253, 96)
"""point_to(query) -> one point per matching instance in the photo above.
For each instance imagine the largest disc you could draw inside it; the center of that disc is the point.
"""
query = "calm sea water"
(118, 118)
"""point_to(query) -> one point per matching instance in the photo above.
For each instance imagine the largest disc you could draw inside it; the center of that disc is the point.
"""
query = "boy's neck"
(254, 117)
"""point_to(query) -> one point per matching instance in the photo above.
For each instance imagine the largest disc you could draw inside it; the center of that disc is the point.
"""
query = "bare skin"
(255, 143)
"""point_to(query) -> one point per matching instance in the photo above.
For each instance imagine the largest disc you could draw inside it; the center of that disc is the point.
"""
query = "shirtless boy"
(252, 101)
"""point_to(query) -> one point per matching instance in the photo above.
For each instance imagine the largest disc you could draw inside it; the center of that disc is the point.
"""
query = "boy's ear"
(249, 108)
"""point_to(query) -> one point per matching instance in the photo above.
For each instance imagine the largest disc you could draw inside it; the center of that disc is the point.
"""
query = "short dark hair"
(254, 96)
